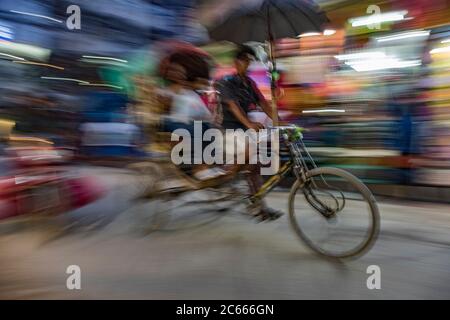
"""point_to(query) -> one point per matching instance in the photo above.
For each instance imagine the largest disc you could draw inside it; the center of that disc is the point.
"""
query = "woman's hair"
(196, 66)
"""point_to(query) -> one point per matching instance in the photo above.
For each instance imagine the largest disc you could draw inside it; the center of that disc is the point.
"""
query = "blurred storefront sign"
(323, 44)
(426, 13)
(21, 51)
(6, 31)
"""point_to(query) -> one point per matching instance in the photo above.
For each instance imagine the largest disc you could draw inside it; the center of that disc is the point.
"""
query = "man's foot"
(263, 213)
(269, 214)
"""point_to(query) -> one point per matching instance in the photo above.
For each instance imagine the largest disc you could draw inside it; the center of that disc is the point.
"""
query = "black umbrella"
(267, 20)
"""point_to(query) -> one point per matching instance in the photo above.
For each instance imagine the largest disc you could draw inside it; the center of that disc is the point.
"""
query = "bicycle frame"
(273, 181)
(296, 162)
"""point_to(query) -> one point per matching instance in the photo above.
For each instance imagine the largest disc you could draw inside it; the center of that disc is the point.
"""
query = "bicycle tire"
(366, 194)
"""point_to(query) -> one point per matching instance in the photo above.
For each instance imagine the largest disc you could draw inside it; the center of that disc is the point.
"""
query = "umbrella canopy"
(262, 20)
(267, 20)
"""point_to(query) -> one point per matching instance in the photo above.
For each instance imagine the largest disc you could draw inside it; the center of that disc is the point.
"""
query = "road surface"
(230, 258)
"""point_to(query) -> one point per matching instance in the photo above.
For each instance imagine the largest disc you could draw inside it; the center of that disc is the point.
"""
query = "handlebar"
(289, 127)
(290, 132)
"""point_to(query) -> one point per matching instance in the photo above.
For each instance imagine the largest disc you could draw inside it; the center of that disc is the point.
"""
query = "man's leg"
(255, 183)
(254, 179)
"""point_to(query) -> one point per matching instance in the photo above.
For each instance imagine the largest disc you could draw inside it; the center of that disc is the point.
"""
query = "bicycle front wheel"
(334, 213)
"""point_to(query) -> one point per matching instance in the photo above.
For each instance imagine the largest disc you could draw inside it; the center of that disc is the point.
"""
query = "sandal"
(270, 214)
(256, 210)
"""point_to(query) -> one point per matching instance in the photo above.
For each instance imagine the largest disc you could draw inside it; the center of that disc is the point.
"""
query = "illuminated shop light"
(309, 34)
(105, 58)
(65, 79)
(382, 64)
(36, 15)
(378, 18)
(40, 64)
(329, 32)
(101, 85)
(440, 50)
(323, 110)
(404, 35)
(361, 55)
(11, 56)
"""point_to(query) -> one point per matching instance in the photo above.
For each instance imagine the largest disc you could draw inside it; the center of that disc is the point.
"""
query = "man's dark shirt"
(243, 93)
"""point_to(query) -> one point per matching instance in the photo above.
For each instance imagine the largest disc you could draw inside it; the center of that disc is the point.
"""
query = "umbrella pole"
(273, 86)
(273, 67)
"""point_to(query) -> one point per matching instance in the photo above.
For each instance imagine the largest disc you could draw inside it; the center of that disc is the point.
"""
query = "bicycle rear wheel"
(334, 213)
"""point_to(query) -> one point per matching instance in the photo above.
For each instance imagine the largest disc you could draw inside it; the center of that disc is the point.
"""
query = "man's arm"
(241, 116)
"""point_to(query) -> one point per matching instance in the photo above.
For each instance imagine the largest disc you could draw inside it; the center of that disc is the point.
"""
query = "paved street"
(229, 258)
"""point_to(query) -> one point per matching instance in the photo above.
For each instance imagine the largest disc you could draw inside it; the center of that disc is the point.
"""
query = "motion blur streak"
(81, 108)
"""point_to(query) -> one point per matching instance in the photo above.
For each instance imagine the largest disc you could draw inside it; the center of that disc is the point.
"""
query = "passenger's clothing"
(187, 106)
